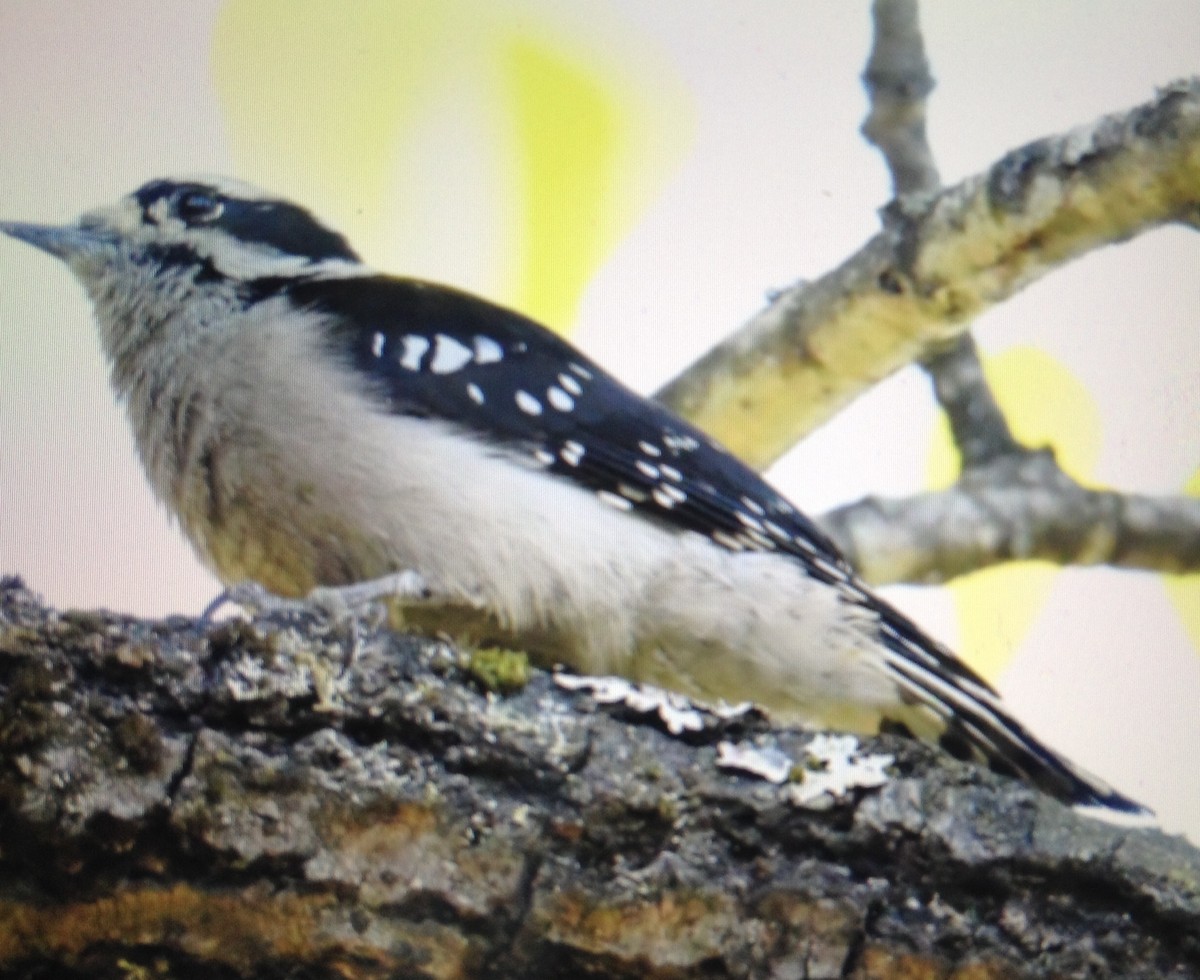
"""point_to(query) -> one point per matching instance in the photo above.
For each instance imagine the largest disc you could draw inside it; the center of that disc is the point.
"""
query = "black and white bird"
(312, 422)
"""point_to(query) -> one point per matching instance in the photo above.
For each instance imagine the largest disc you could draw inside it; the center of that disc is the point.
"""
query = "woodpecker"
(311, 422)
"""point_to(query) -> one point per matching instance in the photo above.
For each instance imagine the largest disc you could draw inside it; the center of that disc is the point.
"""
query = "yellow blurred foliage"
(569, 138)
(315, 93)
(524, 135)
(1045, 405)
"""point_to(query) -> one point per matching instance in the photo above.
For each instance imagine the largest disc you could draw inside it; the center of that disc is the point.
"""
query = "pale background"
(640, 175)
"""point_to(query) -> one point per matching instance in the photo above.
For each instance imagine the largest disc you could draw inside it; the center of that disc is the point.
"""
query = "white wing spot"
(671, 473)
(826, 565)
(487, 351)
(748, 521)
(543, 457)
(662, 498)
(377, 345)
(753, 506)
(776, 530)
(475, 393)
(760, 540)
(580, 370)
(415, 347)
(673, 492)
(649, 448)
(647, 469)
(849, 591)
(571, 452)
(527, 403)
(613, 500)
(449, 355)
(680, 444)
(570, 384)
(631, 493)
(729, 541)
(559, 399)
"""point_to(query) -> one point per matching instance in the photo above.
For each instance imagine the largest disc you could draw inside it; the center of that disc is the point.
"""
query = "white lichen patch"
(678, 713)
(833, 768)
(765, 761)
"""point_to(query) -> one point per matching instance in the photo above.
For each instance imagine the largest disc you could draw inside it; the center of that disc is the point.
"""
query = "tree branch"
(1022, 506)
(234, 801)
(898, 83)
(1015, 508)
(977, 425)
(939, 262)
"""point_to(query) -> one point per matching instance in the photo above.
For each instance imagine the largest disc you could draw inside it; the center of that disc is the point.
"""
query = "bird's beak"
(62, 241)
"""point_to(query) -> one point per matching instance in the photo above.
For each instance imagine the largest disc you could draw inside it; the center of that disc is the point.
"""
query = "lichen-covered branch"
(939, 262)
(1009, 503)
(235, 801)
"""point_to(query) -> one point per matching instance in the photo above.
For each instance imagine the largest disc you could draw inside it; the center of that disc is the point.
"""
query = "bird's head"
(206, 227)
(177, 255)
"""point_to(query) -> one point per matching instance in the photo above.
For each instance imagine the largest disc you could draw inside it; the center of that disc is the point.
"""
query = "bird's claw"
(251, 597)
(340, 604)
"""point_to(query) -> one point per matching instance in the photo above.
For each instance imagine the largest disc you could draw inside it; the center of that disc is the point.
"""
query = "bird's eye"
(198, 207)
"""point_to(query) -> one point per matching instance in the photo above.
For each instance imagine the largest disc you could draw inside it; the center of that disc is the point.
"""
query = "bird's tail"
(975, 724)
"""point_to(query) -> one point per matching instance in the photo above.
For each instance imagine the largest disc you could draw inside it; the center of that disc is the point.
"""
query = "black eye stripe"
(286, 228)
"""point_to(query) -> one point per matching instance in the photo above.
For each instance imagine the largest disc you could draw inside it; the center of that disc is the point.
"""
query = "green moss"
(498, 669)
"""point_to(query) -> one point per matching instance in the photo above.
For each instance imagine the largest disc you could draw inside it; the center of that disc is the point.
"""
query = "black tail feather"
(977, 726)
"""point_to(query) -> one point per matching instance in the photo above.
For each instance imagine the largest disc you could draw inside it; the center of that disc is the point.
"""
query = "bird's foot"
(251, 597)
(336, 601)
(342, 605)
(406, 588)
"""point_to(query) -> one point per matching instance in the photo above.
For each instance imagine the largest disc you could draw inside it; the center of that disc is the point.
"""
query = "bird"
(313, 423)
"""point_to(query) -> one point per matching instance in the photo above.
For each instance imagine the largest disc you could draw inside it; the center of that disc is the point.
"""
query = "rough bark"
(1010, 502)
(236, 800)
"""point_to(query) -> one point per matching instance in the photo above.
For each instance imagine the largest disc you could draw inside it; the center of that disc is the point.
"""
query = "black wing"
(446, 354)
(442, 353)
(438, 352)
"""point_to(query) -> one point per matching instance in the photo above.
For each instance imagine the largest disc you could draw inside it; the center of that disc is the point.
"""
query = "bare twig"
(942, 258)
(1015, 508)
(938, 263)
(898, 82)
(980, 431)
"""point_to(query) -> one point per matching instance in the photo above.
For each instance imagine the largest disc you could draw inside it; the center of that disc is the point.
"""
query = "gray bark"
(234, 800)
